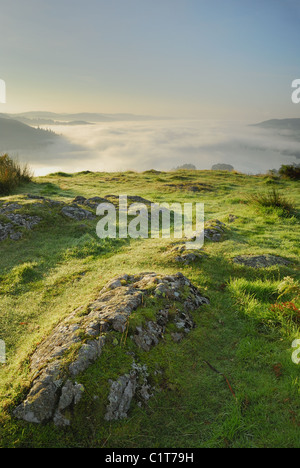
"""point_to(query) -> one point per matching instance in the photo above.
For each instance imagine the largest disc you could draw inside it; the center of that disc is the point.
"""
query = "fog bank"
(162, 145)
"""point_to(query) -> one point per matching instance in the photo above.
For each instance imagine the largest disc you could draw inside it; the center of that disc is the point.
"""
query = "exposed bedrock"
(77, 342)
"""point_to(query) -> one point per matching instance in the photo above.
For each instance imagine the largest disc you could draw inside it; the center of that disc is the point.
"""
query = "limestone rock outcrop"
(77, 342)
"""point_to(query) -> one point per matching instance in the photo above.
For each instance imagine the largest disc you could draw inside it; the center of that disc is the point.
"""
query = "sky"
(206, 59)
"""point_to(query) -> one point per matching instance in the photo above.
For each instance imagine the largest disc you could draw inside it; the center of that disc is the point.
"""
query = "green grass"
(61, 265)
(273, 199)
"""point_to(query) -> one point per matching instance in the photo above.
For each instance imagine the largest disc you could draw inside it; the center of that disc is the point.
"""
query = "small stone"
(79, 199)
(77, 213)
(115, 284)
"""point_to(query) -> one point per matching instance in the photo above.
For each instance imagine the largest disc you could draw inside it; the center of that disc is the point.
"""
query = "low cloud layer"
(162, 145)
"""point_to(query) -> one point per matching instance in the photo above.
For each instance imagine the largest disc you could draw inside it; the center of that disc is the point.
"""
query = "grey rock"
(24, 220)
(5, 231)
(10, 207)
(79, 200)
(213, 231)
(15, 220)
(68, 393)
(114, 284)
(53, 203)
(146, 338)
(77, 213)
(188, 258)
(149, 336)
(71, 394)
(91, 202)
(127, 387)
(145, 392)
(260, 261)
(88, 354)
(121, 394)
(184, 322)
(83, 336)
(15, 236)
(94, 202)
(39, 405)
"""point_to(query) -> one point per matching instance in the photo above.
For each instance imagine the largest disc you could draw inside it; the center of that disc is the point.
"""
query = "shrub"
(12, 174)
(273, 199)
(290, 171)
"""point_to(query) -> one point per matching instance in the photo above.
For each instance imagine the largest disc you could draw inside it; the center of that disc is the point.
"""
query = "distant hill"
(83, 118)
(288, 128)
(15, 135)
(281, 124)
(37, 121)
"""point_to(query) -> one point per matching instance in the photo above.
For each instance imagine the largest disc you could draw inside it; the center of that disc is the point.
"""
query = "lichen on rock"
(12, 221)
(74, 212)
(77, 342)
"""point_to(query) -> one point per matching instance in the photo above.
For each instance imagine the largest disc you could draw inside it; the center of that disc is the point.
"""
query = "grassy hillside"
(246, 332)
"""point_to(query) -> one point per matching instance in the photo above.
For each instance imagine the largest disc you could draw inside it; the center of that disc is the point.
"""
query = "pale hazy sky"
(218, 59)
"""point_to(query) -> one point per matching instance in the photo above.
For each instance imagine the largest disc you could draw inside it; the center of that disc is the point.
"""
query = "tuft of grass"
(261, 300)
(284, 314)
(12, 174)
(273, 199)
(287, 314)
(289, 286)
